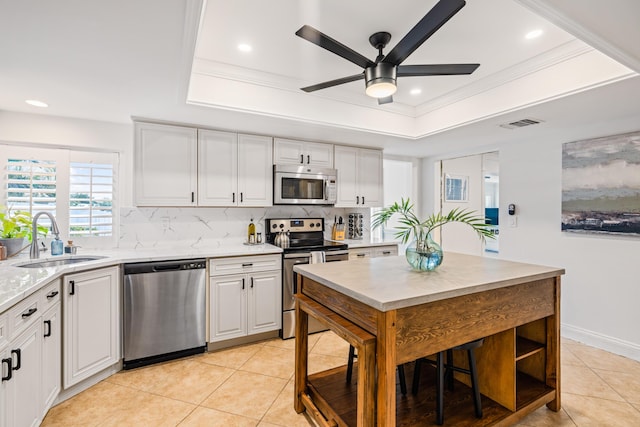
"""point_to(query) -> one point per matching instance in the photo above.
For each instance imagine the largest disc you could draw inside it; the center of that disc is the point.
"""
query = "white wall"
(601, 287)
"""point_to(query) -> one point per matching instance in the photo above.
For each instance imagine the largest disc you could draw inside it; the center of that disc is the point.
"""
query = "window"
(90, 199)
(77, 187)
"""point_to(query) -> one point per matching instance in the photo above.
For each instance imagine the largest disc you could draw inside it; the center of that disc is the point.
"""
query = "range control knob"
(317, 224)
(312, 225)
(281, 225)
(274, 226)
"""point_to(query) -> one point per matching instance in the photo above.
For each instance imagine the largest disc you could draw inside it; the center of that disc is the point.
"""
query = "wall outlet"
(513, 220)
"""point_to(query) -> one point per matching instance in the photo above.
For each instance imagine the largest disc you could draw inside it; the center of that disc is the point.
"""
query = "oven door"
(289, 289)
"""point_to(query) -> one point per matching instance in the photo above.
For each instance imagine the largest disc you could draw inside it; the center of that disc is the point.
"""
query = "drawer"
(380, 251)
(4, 333)
(23, 314)
(360, 253)
(50, 295)
(244, 264)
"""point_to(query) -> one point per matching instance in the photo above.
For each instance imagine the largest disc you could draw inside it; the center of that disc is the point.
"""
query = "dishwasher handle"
(164, 266)
(167, 267)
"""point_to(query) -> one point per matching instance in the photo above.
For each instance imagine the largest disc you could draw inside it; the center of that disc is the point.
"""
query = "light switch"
(513, 220)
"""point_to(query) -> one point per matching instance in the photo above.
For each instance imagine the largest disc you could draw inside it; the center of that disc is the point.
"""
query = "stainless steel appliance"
(303, 185)
(164, 311)
(355, 226)
(306, 235)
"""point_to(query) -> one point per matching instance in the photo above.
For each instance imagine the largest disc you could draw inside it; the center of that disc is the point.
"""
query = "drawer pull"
(386, 252)
(8, 361)
(29, 312)
(52, 294)
(361, 255)
(18, 353)
(247, 264)
(47, 323)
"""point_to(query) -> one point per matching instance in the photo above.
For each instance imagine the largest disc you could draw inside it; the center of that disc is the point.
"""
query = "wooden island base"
(339, 400)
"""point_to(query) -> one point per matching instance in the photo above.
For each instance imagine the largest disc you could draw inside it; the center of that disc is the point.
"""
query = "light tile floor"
(252, 385)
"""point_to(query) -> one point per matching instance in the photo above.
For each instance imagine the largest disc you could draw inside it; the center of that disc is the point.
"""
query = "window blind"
(90, 199)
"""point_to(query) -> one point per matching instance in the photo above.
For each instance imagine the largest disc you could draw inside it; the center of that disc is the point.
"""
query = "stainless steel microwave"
(303, 185)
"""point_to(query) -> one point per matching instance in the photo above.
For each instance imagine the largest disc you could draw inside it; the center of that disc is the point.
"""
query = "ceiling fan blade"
(429, 24)
(436, 70)
(324, 41)
(335, 82)
(385, 100)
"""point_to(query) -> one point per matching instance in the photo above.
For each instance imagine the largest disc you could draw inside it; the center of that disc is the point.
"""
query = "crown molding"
(544, 9)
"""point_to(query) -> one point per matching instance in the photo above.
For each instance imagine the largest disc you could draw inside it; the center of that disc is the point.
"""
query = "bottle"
(3, 252)
(56, 246)
(251, 233)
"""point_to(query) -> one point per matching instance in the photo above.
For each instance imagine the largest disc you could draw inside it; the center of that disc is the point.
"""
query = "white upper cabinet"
(359, 177)
(234, 170)
(181, 166)
(217, 168)
(291, 152)
(165, 165)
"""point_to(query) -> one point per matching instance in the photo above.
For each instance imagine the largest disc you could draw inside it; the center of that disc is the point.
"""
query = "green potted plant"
(15, 227)
(424, 254)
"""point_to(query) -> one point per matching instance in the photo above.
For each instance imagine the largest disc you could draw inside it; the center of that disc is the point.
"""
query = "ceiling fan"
(380, 75)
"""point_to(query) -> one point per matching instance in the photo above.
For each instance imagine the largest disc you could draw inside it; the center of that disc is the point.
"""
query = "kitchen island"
(393, 315)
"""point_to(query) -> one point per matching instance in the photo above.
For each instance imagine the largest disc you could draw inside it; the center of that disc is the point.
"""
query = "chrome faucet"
(35, 250)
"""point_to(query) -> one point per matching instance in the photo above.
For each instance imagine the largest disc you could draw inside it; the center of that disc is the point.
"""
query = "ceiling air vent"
(521, 123)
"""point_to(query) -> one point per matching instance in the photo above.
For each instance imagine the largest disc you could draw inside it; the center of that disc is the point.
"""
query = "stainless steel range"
(305, 235)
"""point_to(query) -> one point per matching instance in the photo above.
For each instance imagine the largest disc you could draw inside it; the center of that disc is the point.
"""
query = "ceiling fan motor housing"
(380, 80)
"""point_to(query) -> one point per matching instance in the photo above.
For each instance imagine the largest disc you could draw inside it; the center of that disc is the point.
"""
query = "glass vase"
(424, 254)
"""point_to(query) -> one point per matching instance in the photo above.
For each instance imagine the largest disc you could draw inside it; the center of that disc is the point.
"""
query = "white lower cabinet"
(51, 356)
(22, 384)
(245, 296)
(91, 340)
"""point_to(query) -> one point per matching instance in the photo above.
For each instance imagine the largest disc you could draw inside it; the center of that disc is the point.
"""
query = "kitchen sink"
(59, 262)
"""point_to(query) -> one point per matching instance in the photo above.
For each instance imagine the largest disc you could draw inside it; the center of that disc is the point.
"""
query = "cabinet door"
(165, 165)
(255, 170)
(370, 178)
(4, 366)
(265, 302)
(318, 154)
(23, 390)
(228, 307)
(91, 323)
(217, 168)
(288, 152)
(346, 163)
(51, 360)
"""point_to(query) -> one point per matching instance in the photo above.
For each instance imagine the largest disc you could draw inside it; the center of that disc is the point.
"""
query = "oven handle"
(308, 255)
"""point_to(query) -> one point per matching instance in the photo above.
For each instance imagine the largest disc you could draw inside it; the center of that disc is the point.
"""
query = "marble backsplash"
(199, 227)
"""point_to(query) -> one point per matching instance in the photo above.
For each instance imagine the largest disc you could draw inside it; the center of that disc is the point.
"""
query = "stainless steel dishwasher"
(164, 311)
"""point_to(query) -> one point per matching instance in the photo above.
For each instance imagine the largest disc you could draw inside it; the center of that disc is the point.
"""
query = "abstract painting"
(601, 185)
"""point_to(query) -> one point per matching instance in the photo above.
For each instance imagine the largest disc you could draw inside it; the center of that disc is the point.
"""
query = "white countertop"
(17, 283)
(389, 283)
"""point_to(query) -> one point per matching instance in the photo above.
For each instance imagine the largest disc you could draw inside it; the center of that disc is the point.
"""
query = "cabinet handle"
(242, 283)
(47, 323)
(363, 200)
(193, 197)
(29, 312)
(8, 361)
(361, 255)
(72, 284)
(357, 200)
(233, 197)
(308, 159)
(302, 158)
(241, 197)
(52, 294)
(252, 283)
(247, 264)
(386, 252)
(18, 353)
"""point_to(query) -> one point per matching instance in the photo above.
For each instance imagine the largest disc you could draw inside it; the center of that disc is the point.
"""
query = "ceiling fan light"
(381, 80)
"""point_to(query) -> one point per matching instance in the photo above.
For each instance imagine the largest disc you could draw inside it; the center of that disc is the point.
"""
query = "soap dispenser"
(56, 246)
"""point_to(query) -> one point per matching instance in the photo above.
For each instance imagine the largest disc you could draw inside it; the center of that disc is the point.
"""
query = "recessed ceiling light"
(533, 34)
(415, 91)
(37, 103)
(243, 47)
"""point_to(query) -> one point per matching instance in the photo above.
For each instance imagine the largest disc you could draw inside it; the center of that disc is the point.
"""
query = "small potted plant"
(15, 227)
(424, 254)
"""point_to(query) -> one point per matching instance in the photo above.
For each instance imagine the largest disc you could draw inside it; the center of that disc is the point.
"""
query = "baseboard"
(604, 342)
